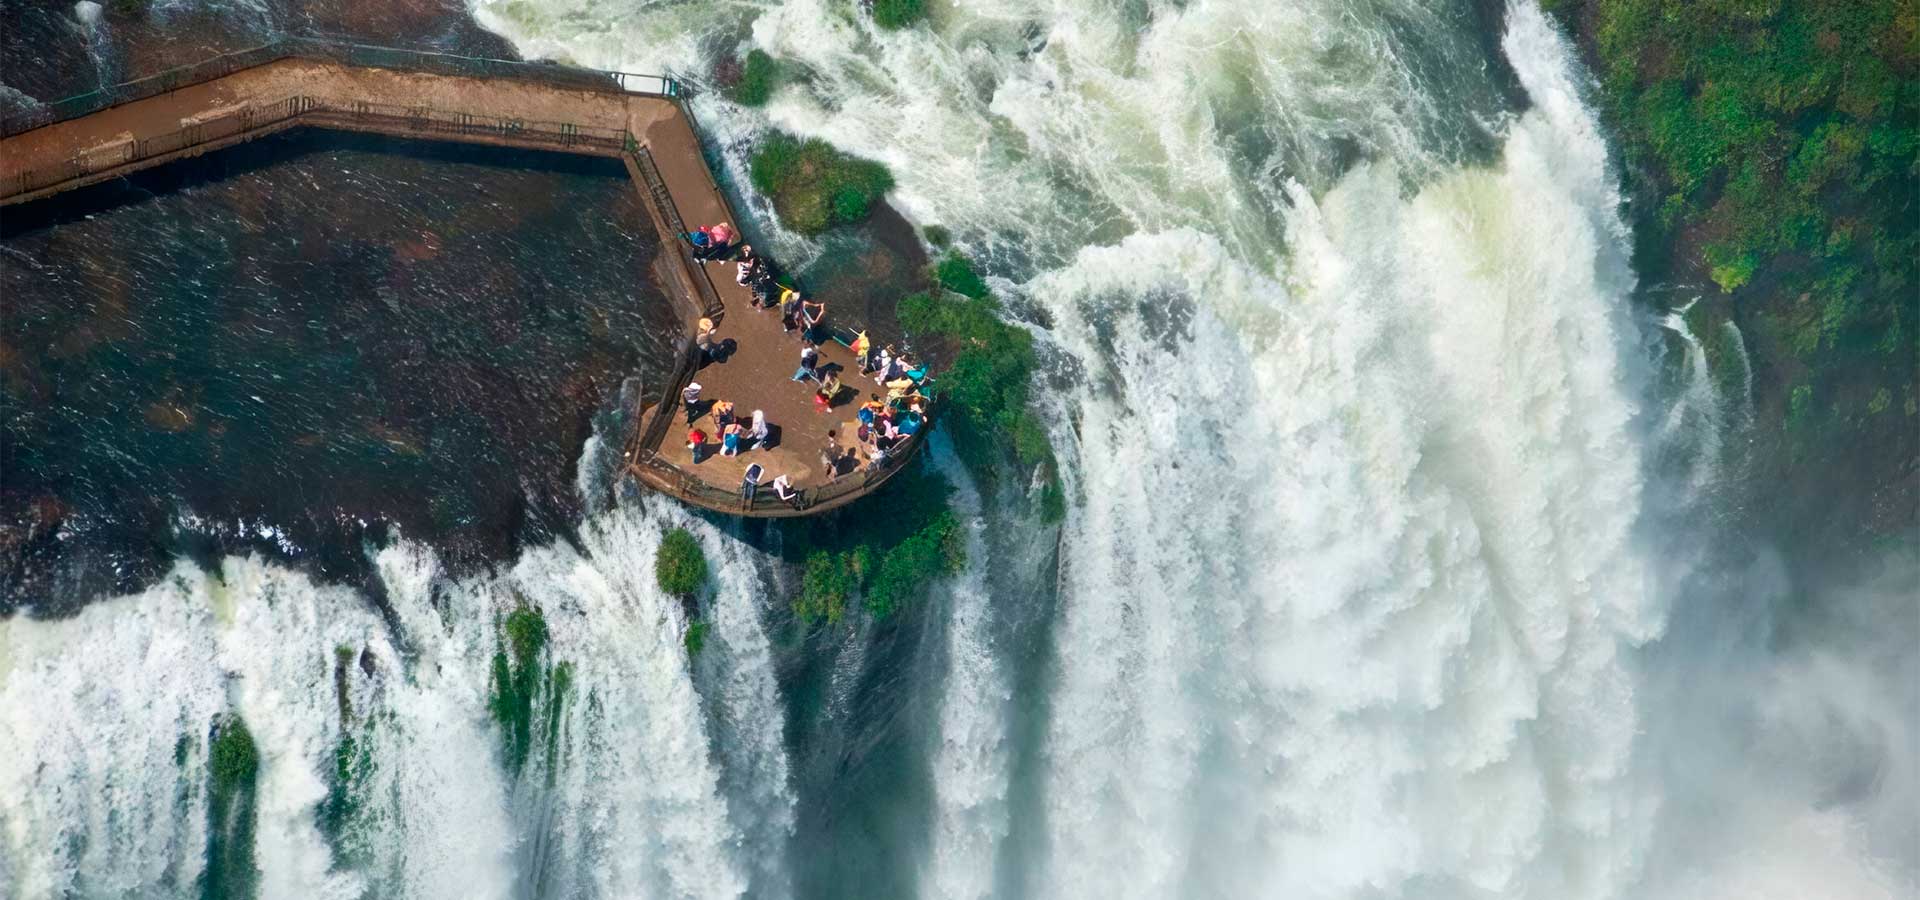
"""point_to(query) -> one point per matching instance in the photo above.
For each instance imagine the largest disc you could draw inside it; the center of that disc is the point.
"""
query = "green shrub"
(938, 236)
(888, 560)
(894, 14)
(696, 637)
(680, 566)
(909, 566)
(815, 187)
(825, 584)
(956, 273)
(759, 75)
(235, 759)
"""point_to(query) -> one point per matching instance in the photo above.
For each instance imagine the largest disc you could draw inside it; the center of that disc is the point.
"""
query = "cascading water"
(1355, 595)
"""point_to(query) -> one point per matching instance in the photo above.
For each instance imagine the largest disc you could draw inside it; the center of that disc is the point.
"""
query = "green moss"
(815, 187)
(938, 236)
(680, 567)
(233, 771)
(825, 586)
(895, 14)
(696, 637)
(887, 560)
(526, 632)
(759, 75)
(352, 765)
(235, 759)
(1882, 399)
(517, 680)
(910, 566)
(986, 387)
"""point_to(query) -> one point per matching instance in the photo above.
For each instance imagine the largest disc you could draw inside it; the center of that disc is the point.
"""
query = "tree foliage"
(680, 567)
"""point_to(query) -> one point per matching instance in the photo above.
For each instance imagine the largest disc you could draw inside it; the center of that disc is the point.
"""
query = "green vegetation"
(517, 684)
(1782, 138)
(680, 567)
(896, 14)
(352, 764)
(815, 187)
(233, 772)
(696, 636)
(887, 560)
(1775, 148)
(759, 75)
(938, 236)
(986, 385)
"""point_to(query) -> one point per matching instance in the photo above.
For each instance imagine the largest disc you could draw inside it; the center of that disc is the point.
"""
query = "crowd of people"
(895, 410)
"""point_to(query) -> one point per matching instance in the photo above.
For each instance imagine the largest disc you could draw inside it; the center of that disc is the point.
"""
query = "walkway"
(526, 105)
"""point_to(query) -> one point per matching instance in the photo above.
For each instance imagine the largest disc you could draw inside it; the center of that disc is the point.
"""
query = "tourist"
(830, 385)
(783, 488)
(722, 413)
(811, 315)
(750, 483)
(702, 241)
(748, 265)
(721, 237)
(830, 456)
(691, 396)
(696, 442)
(791, 302)
(708, 339)
(759, 431)
(730, 439)
(883, 364)
(861, 346)
(809, 365)
(897, 389)
(763, 288)
(870, 409)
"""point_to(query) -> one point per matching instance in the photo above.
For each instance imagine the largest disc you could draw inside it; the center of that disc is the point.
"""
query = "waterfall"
(1367, 584)
(970, 762)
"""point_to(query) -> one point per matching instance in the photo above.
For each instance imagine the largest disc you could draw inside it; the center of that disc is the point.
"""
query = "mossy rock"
(680, 567)
(896, 14)
(814, 186)
(696, 636)
(759, 75)
(233, 771)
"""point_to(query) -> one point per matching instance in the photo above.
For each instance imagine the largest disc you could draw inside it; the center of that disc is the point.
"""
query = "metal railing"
(710, 305)
(690, 486)
(342, 52)
(422, 121)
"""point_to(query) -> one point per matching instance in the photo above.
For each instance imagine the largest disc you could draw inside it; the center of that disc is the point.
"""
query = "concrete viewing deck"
(526, 105)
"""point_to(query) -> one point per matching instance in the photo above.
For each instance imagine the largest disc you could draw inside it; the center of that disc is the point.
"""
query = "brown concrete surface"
(755, 376)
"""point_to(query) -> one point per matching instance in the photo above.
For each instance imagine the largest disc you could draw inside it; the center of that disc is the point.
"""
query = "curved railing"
(337, 51)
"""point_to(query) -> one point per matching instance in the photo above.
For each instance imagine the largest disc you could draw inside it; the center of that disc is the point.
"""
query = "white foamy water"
(970, 761)
(624, 799)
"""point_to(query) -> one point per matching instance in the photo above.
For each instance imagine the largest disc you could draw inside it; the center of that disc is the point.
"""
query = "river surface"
(1402, 557)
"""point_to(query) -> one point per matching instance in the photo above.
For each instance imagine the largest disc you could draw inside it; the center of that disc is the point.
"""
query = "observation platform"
(637, 119)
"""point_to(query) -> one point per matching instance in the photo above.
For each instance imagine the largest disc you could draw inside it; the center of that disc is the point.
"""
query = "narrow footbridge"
(640, 120)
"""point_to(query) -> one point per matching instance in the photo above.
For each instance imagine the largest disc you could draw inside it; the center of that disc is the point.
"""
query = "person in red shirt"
(696, 442)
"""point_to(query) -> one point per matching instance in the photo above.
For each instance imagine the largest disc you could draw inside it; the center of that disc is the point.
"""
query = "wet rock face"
(304, 343)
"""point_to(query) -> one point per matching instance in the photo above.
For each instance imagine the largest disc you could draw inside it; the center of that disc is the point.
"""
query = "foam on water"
(970, 762)
(628, 803)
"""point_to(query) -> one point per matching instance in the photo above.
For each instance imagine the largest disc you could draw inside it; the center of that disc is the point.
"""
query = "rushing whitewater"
(1358, 594)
